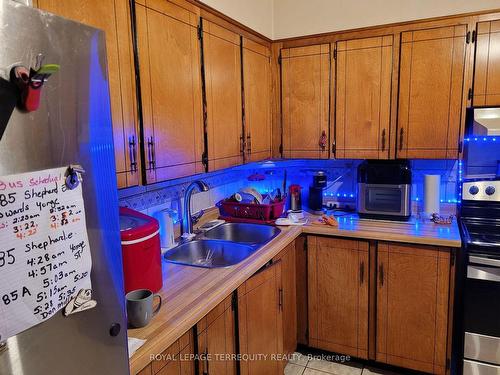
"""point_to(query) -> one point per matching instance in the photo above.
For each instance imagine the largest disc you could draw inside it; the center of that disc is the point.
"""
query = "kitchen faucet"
(186, 212)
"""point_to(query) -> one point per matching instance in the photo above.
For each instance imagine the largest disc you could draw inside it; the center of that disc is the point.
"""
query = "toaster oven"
(384, 190)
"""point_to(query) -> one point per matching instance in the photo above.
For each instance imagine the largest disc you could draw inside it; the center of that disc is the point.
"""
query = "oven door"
(384, 199)
(482, 316)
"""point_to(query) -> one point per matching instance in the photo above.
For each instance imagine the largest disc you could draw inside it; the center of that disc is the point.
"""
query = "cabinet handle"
(132, 153)
(400, 139)
(249, 143)
(151, 153)
(362, 273)
(205, 362)
(383, 139)
(381, 274)
(242, 144)
(323, 140)
(280, 299)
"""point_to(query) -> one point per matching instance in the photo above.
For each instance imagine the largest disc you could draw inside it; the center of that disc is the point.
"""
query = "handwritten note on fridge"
(44, 249)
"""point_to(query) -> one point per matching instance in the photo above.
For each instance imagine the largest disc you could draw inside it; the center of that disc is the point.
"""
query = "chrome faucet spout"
(186, 214)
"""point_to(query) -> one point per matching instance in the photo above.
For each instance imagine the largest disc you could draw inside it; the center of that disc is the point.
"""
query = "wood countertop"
(415, 231)
(189, 293)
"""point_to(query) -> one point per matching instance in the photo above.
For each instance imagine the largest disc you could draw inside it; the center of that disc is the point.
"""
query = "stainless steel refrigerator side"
(72, 125)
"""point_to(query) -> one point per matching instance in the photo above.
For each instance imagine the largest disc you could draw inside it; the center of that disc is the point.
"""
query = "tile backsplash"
(341, 183)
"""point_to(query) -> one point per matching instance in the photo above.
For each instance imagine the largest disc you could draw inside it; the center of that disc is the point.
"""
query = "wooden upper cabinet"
(487, 64)
(260, 322)
(257, 93)
(363, 97)
(216, 336)
(114, 18)
(305, 80)
(431, 95)
(169, 61)
(413, 291)
(338, 272)
(222, 59)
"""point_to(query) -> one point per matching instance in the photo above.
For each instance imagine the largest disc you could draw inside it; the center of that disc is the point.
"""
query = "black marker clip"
(73, 176)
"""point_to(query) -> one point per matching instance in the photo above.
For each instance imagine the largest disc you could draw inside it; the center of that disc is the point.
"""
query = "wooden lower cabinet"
(177, 359)
(287, 257)
(260, 322)
(216, 341)
(338, 295)
(413, 303)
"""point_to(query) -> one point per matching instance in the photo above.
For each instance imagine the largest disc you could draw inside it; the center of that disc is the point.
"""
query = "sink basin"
(209, 253)
(243, 233)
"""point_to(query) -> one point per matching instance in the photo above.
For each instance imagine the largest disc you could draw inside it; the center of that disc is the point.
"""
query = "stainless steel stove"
(480, 226)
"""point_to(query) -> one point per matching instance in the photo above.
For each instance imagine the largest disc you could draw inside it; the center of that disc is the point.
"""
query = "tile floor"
(300, 364)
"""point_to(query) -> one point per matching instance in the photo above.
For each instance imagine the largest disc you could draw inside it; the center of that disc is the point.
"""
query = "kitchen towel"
(432, 185)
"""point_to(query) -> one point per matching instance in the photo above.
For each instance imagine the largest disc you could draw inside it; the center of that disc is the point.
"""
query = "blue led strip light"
(482, 139)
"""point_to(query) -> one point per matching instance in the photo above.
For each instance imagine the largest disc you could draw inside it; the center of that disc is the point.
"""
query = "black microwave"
(384, 189)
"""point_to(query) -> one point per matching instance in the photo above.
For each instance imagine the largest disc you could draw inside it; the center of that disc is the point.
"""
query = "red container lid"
(135, 225)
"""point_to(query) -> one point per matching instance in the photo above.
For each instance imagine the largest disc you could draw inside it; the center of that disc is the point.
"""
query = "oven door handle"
(483, 273)
(484, 261)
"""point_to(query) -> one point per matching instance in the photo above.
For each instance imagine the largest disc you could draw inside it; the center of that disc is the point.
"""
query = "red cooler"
(140, 250)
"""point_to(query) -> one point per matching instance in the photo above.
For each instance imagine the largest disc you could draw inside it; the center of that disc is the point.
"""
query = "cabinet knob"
(383, 140)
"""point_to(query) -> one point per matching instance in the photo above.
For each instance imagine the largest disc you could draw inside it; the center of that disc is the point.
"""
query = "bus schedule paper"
(44, 249)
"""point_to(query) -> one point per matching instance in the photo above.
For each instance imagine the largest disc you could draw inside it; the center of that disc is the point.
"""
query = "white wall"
(306, 17)
(278, 19)
(256, 14)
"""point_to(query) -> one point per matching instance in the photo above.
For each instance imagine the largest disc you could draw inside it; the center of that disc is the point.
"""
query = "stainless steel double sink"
(224, 246)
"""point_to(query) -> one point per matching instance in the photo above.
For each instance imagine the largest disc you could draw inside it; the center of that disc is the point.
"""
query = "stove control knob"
(490, 190)
(473, 190)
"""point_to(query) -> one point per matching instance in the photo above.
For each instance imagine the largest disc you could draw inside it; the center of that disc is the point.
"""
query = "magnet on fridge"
(73, 176)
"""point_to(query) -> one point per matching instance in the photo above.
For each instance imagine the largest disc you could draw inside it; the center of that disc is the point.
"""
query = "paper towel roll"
(432, 187)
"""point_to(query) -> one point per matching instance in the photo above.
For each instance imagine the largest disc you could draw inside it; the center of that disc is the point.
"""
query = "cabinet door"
(177, 359)
(222, 59)
(431, 95)
(412, 306)
(305, 80)
(257, 92)
(260, 322)
(338, 295)
(487, 64)
(114, 18)
(363, 97)
(288, 293)
(171, 90)
(216, 338)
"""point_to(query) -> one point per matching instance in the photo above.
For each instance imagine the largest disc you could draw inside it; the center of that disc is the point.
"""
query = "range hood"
(484, 121)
